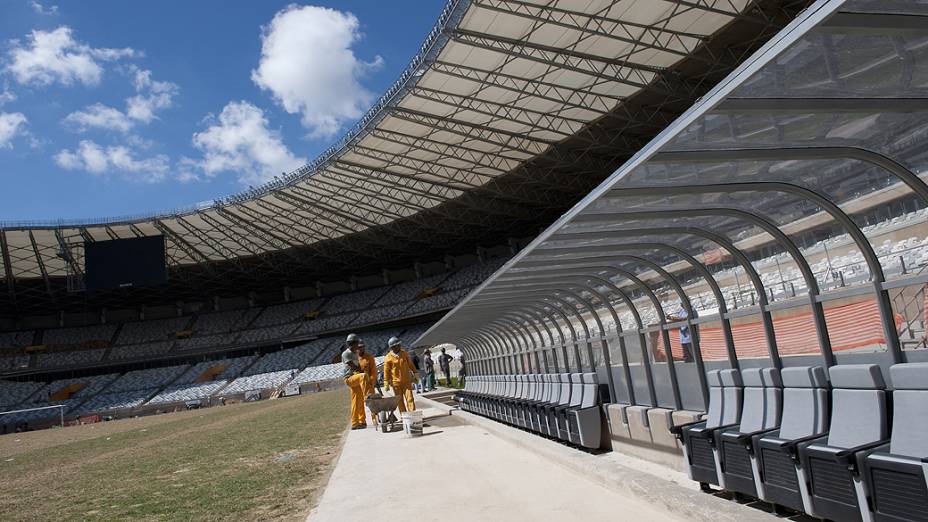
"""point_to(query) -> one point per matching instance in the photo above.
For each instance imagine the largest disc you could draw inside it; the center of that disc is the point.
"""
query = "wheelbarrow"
(382, 409)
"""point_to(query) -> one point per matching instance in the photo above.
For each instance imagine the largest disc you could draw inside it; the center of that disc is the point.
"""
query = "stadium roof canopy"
(826, 122)
(511, 111)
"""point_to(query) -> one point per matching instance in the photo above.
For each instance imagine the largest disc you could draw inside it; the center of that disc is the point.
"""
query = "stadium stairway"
(109, 349)
(445, 397)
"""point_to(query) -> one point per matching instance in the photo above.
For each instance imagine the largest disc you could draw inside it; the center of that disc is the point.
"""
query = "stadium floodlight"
(4, 414)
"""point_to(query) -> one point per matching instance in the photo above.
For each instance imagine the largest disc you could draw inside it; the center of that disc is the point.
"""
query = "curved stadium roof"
(511, 111)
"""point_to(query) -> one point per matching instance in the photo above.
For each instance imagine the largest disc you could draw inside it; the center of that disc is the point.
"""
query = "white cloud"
(153, 96)
(6, 97)
(52, 9)
(55, 56)
(241, 142)
(308, 65)
(93, 158)
(101, 117)
(11, 125)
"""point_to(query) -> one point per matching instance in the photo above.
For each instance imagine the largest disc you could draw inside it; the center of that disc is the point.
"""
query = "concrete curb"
(605, 469)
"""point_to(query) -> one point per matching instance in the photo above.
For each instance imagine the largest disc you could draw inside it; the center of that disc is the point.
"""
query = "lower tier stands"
(113, 392)
(261, 381)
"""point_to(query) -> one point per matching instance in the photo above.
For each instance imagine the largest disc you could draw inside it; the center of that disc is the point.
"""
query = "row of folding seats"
(563, 406)
(785, 438)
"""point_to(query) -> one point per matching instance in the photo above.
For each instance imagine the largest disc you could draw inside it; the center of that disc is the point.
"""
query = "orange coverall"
(397, 369)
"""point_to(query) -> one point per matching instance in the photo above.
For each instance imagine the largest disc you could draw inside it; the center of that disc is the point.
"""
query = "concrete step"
(445, 397)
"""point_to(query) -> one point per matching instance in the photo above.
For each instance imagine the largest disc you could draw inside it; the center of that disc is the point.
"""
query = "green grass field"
(257, 461)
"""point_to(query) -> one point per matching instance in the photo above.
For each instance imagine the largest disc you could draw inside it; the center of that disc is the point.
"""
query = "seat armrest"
(707, 433)
(677, 429)
(748, 439)
(792, 446)
(847, 457)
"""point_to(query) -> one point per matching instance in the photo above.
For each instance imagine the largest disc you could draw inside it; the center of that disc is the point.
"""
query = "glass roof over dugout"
(786, 212)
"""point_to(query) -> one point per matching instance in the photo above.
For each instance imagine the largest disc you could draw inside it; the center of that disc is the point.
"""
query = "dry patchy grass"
(256, 461)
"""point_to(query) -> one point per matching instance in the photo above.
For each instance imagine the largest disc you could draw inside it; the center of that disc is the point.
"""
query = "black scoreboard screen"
(124, 263)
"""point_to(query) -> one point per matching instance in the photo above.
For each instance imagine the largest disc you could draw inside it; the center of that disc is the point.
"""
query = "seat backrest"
(555, 388)
(590, 387)
(546, 388)
(805, 402)
(732, 392)
(858, 405)
(773, 397)
(760, 408)
(910, 410)
(564, 398)
(576, 389)
(714, 379)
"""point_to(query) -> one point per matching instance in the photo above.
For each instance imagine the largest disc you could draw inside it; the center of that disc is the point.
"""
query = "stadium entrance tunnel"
(745, 297)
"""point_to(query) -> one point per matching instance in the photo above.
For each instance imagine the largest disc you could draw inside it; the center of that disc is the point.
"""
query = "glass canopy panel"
(816, 233)
(830, 64)
(730, 276)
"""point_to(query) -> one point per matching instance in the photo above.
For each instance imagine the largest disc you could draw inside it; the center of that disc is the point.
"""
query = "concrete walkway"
(458, 471)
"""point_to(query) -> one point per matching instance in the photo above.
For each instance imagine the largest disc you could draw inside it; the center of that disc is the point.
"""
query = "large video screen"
(124, 263)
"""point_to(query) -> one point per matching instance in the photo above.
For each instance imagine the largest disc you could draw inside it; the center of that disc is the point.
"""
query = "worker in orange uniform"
(357, 380)
(368, 366)
(399, 373)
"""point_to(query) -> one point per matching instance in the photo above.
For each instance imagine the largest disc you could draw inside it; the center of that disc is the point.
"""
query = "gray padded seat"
(760, 414)
(584, 423)
(782, 481)
(896, 472)
(561, 412)
(698, 438)
(858, 423)
(564, 390)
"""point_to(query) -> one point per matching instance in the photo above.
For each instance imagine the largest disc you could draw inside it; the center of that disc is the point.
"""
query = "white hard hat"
(393, 342)
(352, 338)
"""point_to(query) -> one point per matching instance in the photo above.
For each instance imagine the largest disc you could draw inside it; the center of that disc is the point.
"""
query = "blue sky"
(116, 108)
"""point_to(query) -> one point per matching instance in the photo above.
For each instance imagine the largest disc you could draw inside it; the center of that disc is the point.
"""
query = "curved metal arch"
(724, 243)
(662, 320)
(538, 315)
(530, 322)
(695, 263)
(535, 347)
(491, 341)
(527, 342)
(685, 301)
(586, 329)
(509, 342)
(540, 318)
(525, 347)
(884, 304)
(642, 340)
(871, 157)
(573, 332)
(605, 346)
(818, 312)
(481, 346)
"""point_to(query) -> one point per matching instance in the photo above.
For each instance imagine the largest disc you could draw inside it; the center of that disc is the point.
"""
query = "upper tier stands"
(147, 331)
(78, 335)
(286, 313)
(16, 339)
